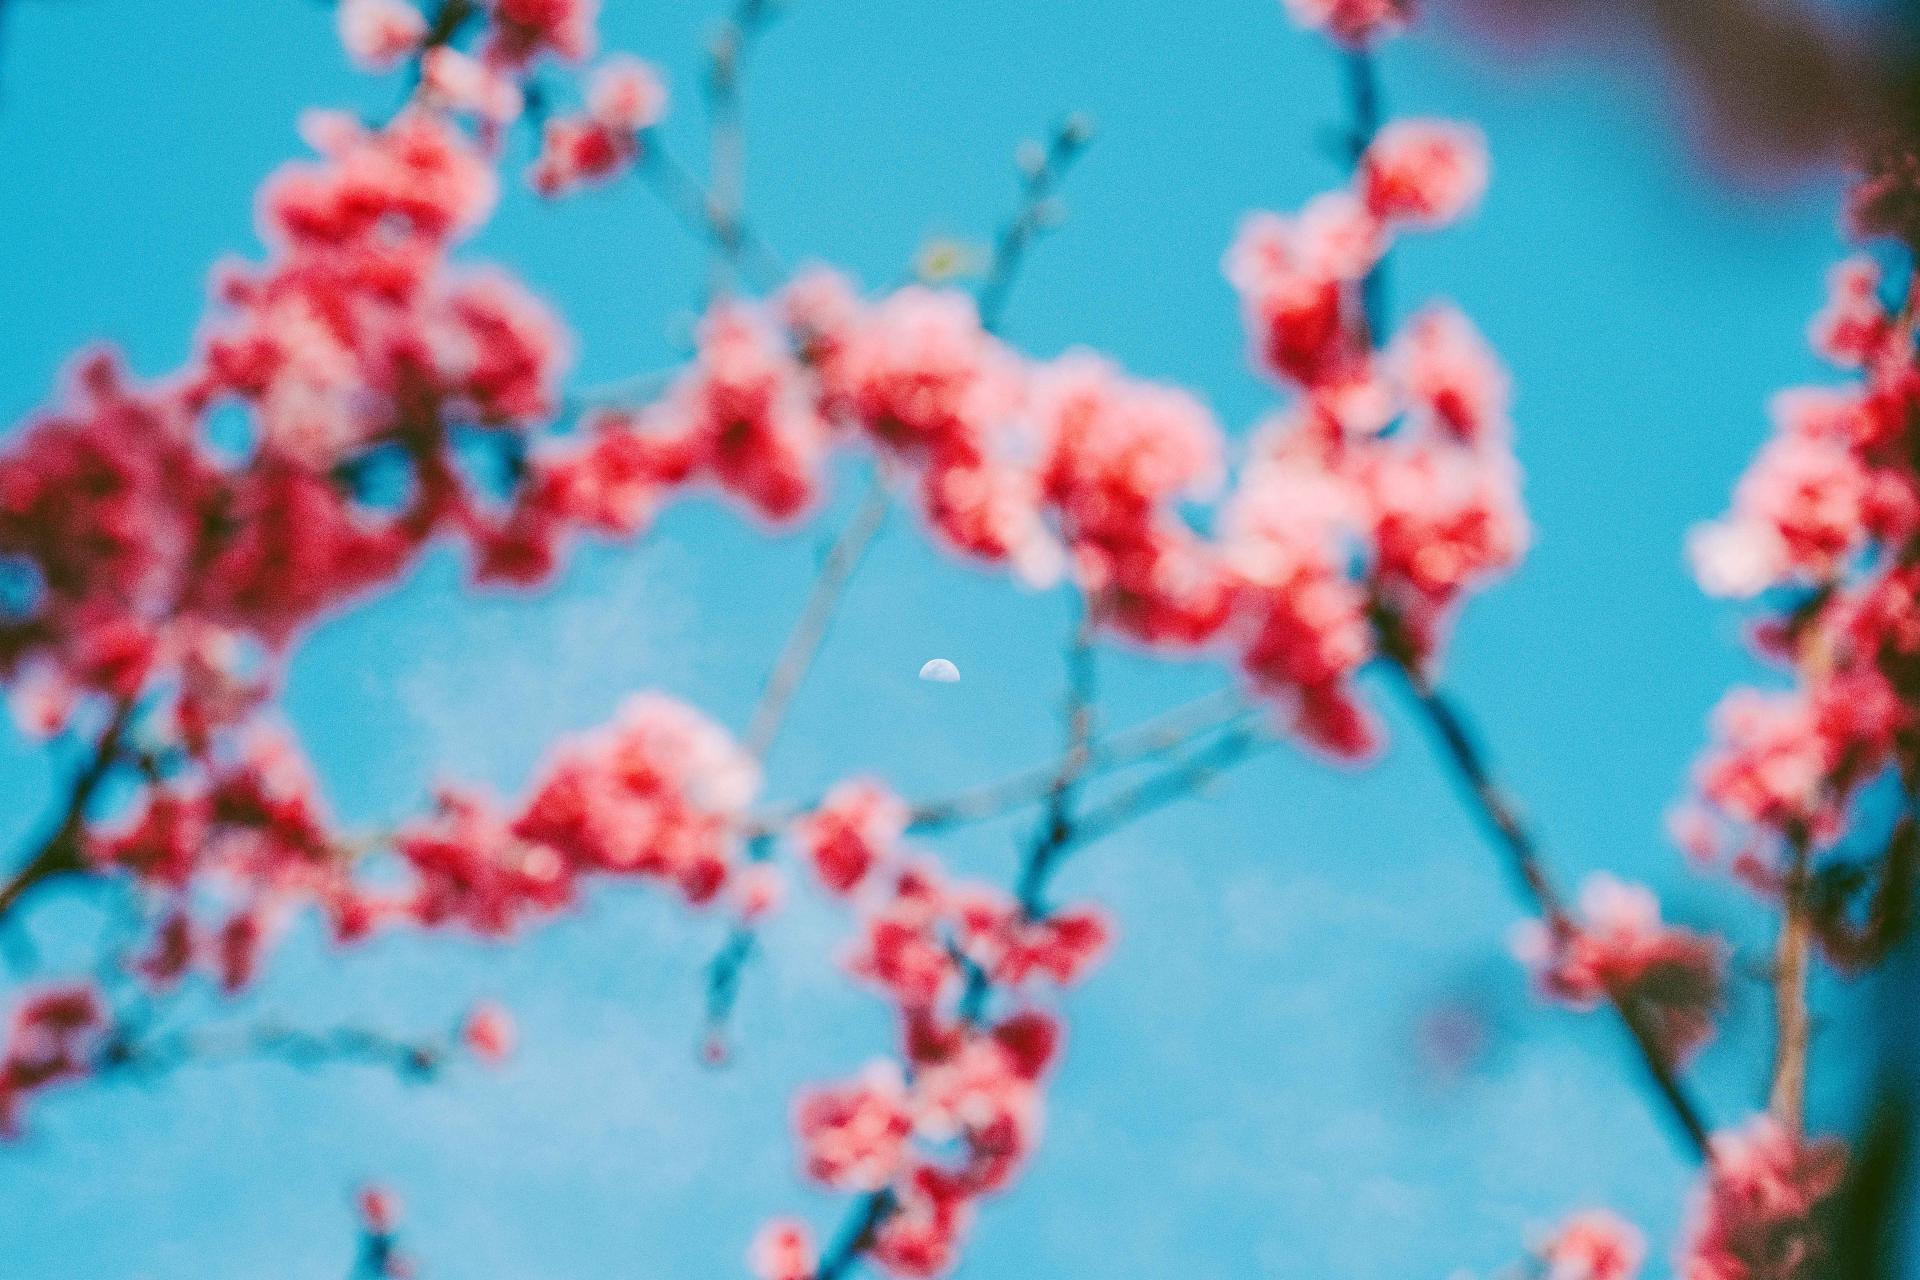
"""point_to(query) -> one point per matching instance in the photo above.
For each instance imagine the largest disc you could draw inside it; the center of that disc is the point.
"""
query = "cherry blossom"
(1756, 1216)
(1619, 950)
(1595, 1245)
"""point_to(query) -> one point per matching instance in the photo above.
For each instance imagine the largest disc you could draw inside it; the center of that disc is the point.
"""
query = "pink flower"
(1671, 978)
(468, 869)
(919, 1239)
(1755, 1215)
(783, 1250)
(418, 176)
(997, 935)
(1423, 173)
(658, 794)
(1355, 23)
(489, 1033)
(856, 829)
(1300, 311)
(1452, 378)
(522, 30)
(579, 151)
(468, 85)
(1771, 762)
(854, 1136)
(626, 95)
(1595, 1245)
(379, 1210)
(746, 415)
(1443, 519)
(1118, 456)
(52, 1037)
(920, 374)
(1854, 325)
(380, 34)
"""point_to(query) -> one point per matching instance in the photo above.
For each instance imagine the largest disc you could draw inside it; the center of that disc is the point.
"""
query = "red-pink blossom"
(658, 793)
(856, 829)
(1851, 329)
(522, 30)
(379, 1209)
(468, 85)
(626, 94)
(380, 34)
(1594, 1245)
(1423, 173)
(488, 1032)
(1355, 23)
(52, 1037)
(1671, 978)
(1453, 379)
(854, 1136)
(1756, 1215)
(783, 1250)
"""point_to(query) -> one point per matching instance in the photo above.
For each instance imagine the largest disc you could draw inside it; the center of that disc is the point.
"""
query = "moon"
(940, 671)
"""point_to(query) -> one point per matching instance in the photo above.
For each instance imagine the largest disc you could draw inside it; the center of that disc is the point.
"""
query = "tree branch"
(1033, 217)
(745, 251)
(297, 1047)
(60, 852)
(803, 643)
(727, 141)
(1500, 816)
(1786, 1096)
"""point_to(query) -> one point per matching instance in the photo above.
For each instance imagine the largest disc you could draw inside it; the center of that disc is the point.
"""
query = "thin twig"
(683, 193)
(1057, 828)
(60, 852)
(1034, 216)
(1162, 789)
(1164, 734)
(1364, 115)
(727, 141)
(1490, 802)
(297, 1047)
(803, 643)
(855, 1236)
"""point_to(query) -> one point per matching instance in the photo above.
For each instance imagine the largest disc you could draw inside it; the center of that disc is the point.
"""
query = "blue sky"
(1242, 1095)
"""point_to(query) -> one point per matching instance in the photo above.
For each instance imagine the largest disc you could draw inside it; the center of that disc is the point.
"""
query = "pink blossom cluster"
(1672, 979)
(163, 545)
(150, 554)
(1823, 523)
(1040, 465)
(955, 1116)
(379, 35)
(52, 1037)
(486, 80)
(1389, 489)
(1757, 1215)
(625, 99)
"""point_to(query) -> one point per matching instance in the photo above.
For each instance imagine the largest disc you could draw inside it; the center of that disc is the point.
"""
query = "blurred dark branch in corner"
(1777, 87)
(1874, 1217)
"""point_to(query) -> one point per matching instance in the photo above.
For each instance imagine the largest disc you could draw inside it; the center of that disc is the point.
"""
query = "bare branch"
(60, 852)
(1489, 801)
(743, 248)
(803, 643)
(1786, 1096)
(727, 143)
(297, 1047)
(1036, 214)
